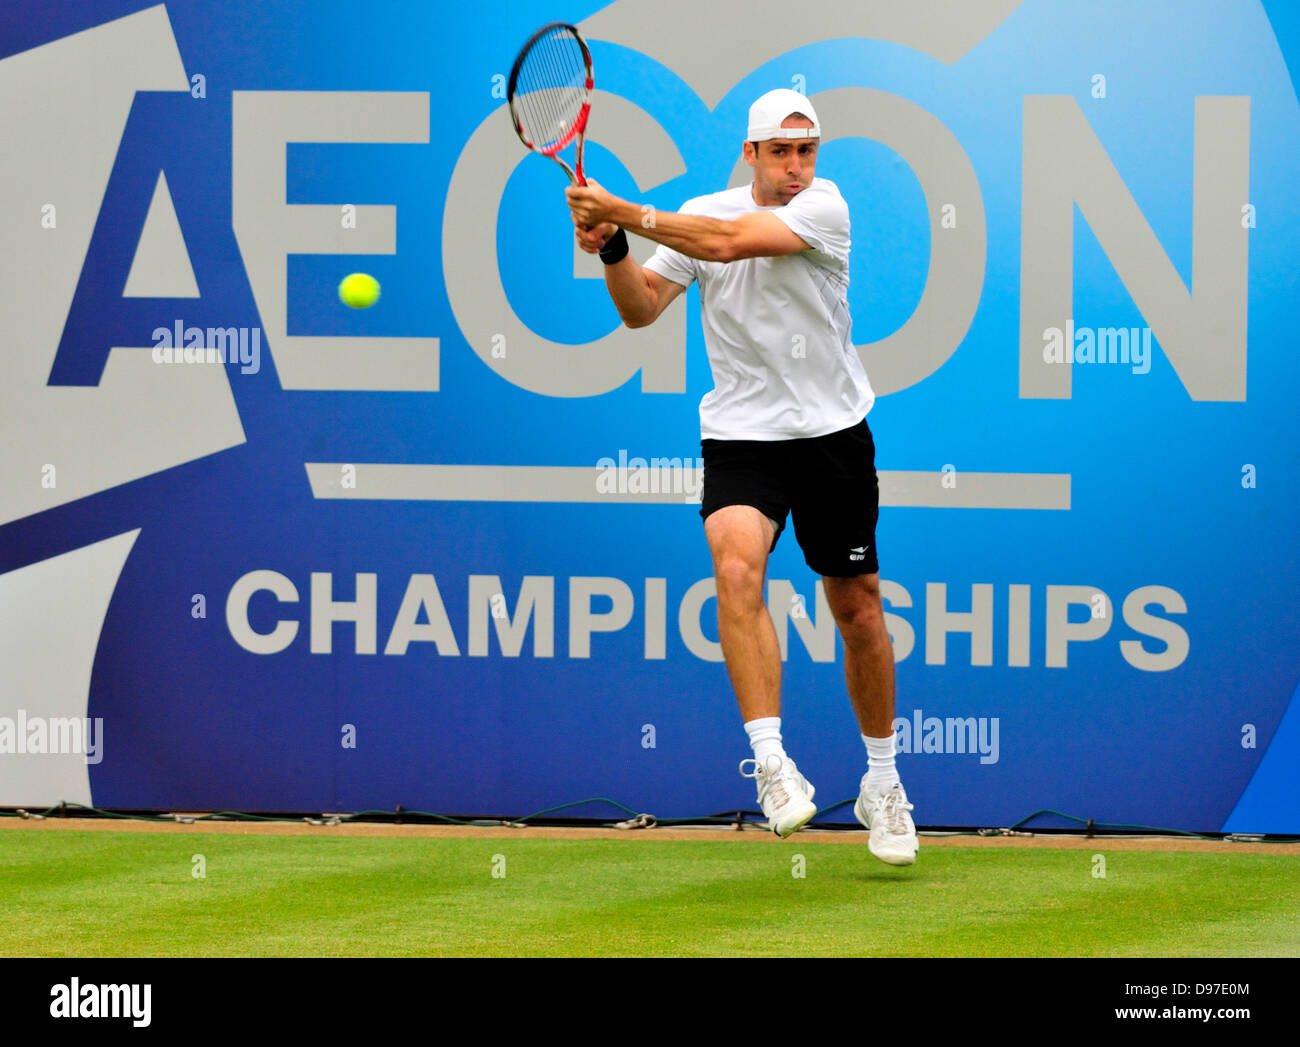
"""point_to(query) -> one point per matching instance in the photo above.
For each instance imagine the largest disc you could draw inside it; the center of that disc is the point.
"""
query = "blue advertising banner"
(262, 551)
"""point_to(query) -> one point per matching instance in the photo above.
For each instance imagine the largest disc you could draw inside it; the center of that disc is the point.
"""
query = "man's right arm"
(640, 295)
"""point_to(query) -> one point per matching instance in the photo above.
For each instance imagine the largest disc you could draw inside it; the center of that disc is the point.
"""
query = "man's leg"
(835, 506)
(868, 655)
(882, 804)
(740, 538)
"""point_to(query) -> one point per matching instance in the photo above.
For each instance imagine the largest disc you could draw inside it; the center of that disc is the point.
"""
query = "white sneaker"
(784, 794)
(893, 833)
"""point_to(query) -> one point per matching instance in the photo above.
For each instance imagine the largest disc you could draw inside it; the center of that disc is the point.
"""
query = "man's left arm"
(759, 234)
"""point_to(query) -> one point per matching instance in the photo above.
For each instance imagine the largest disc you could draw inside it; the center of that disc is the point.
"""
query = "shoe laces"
(894, 804)
(771, 778)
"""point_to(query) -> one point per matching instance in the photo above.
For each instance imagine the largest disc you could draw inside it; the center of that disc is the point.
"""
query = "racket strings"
(551, 88)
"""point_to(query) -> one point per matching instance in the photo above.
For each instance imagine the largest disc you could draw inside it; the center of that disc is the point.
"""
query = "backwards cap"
(766, 115)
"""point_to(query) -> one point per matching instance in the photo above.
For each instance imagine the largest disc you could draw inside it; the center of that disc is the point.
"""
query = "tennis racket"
(550, 93)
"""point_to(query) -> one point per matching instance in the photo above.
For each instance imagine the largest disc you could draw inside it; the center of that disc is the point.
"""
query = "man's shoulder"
(823, 191)
(819, 209)
(825, 185)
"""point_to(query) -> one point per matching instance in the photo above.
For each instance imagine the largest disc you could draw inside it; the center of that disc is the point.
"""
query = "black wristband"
(615, 249)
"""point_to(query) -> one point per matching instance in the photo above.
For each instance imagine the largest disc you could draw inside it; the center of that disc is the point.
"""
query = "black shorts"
(828, 483)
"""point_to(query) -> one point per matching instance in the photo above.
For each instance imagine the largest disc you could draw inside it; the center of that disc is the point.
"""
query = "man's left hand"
(591, 204)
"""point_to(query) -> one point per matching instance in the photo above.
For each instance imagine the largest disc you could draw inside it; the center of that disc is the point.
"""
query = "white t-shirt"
(777, 329)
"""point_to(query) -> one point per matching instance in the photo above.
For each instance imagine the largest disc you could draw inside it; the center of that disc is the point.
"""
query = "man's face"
(783, 167)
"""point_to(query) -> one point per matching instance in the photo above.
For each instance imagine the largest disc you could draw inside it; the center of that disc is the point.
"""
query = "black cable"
(729, 818)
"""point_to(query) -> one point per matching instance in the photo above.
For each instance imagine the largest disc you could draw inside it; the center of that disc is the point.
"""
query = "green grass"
(91, 894)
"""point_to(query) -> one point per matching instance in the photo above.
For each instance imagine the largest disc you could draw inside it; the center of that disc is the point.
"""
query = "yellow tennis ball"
(359, 290)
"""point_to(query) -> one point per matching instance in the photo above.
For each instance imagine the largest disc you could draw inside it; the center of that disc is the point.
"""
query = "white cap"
(767, 114)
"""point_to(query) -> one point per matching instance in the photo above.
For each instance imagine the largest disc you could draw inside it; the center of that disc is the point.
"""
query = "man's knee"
(855, 603)
(739, 578)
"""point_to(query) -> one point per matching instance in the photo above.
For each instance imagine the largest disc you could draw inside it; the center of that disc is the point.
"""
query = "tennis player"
(783, 432)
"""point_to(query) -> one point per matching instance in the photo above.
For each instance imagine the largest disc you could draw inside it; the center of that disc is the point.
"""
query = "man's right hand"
(592, 240)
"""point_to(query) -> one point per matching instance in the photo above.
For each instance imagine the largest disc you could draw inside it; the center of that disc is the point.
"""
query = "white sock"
(765, 738)
(881, 772)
